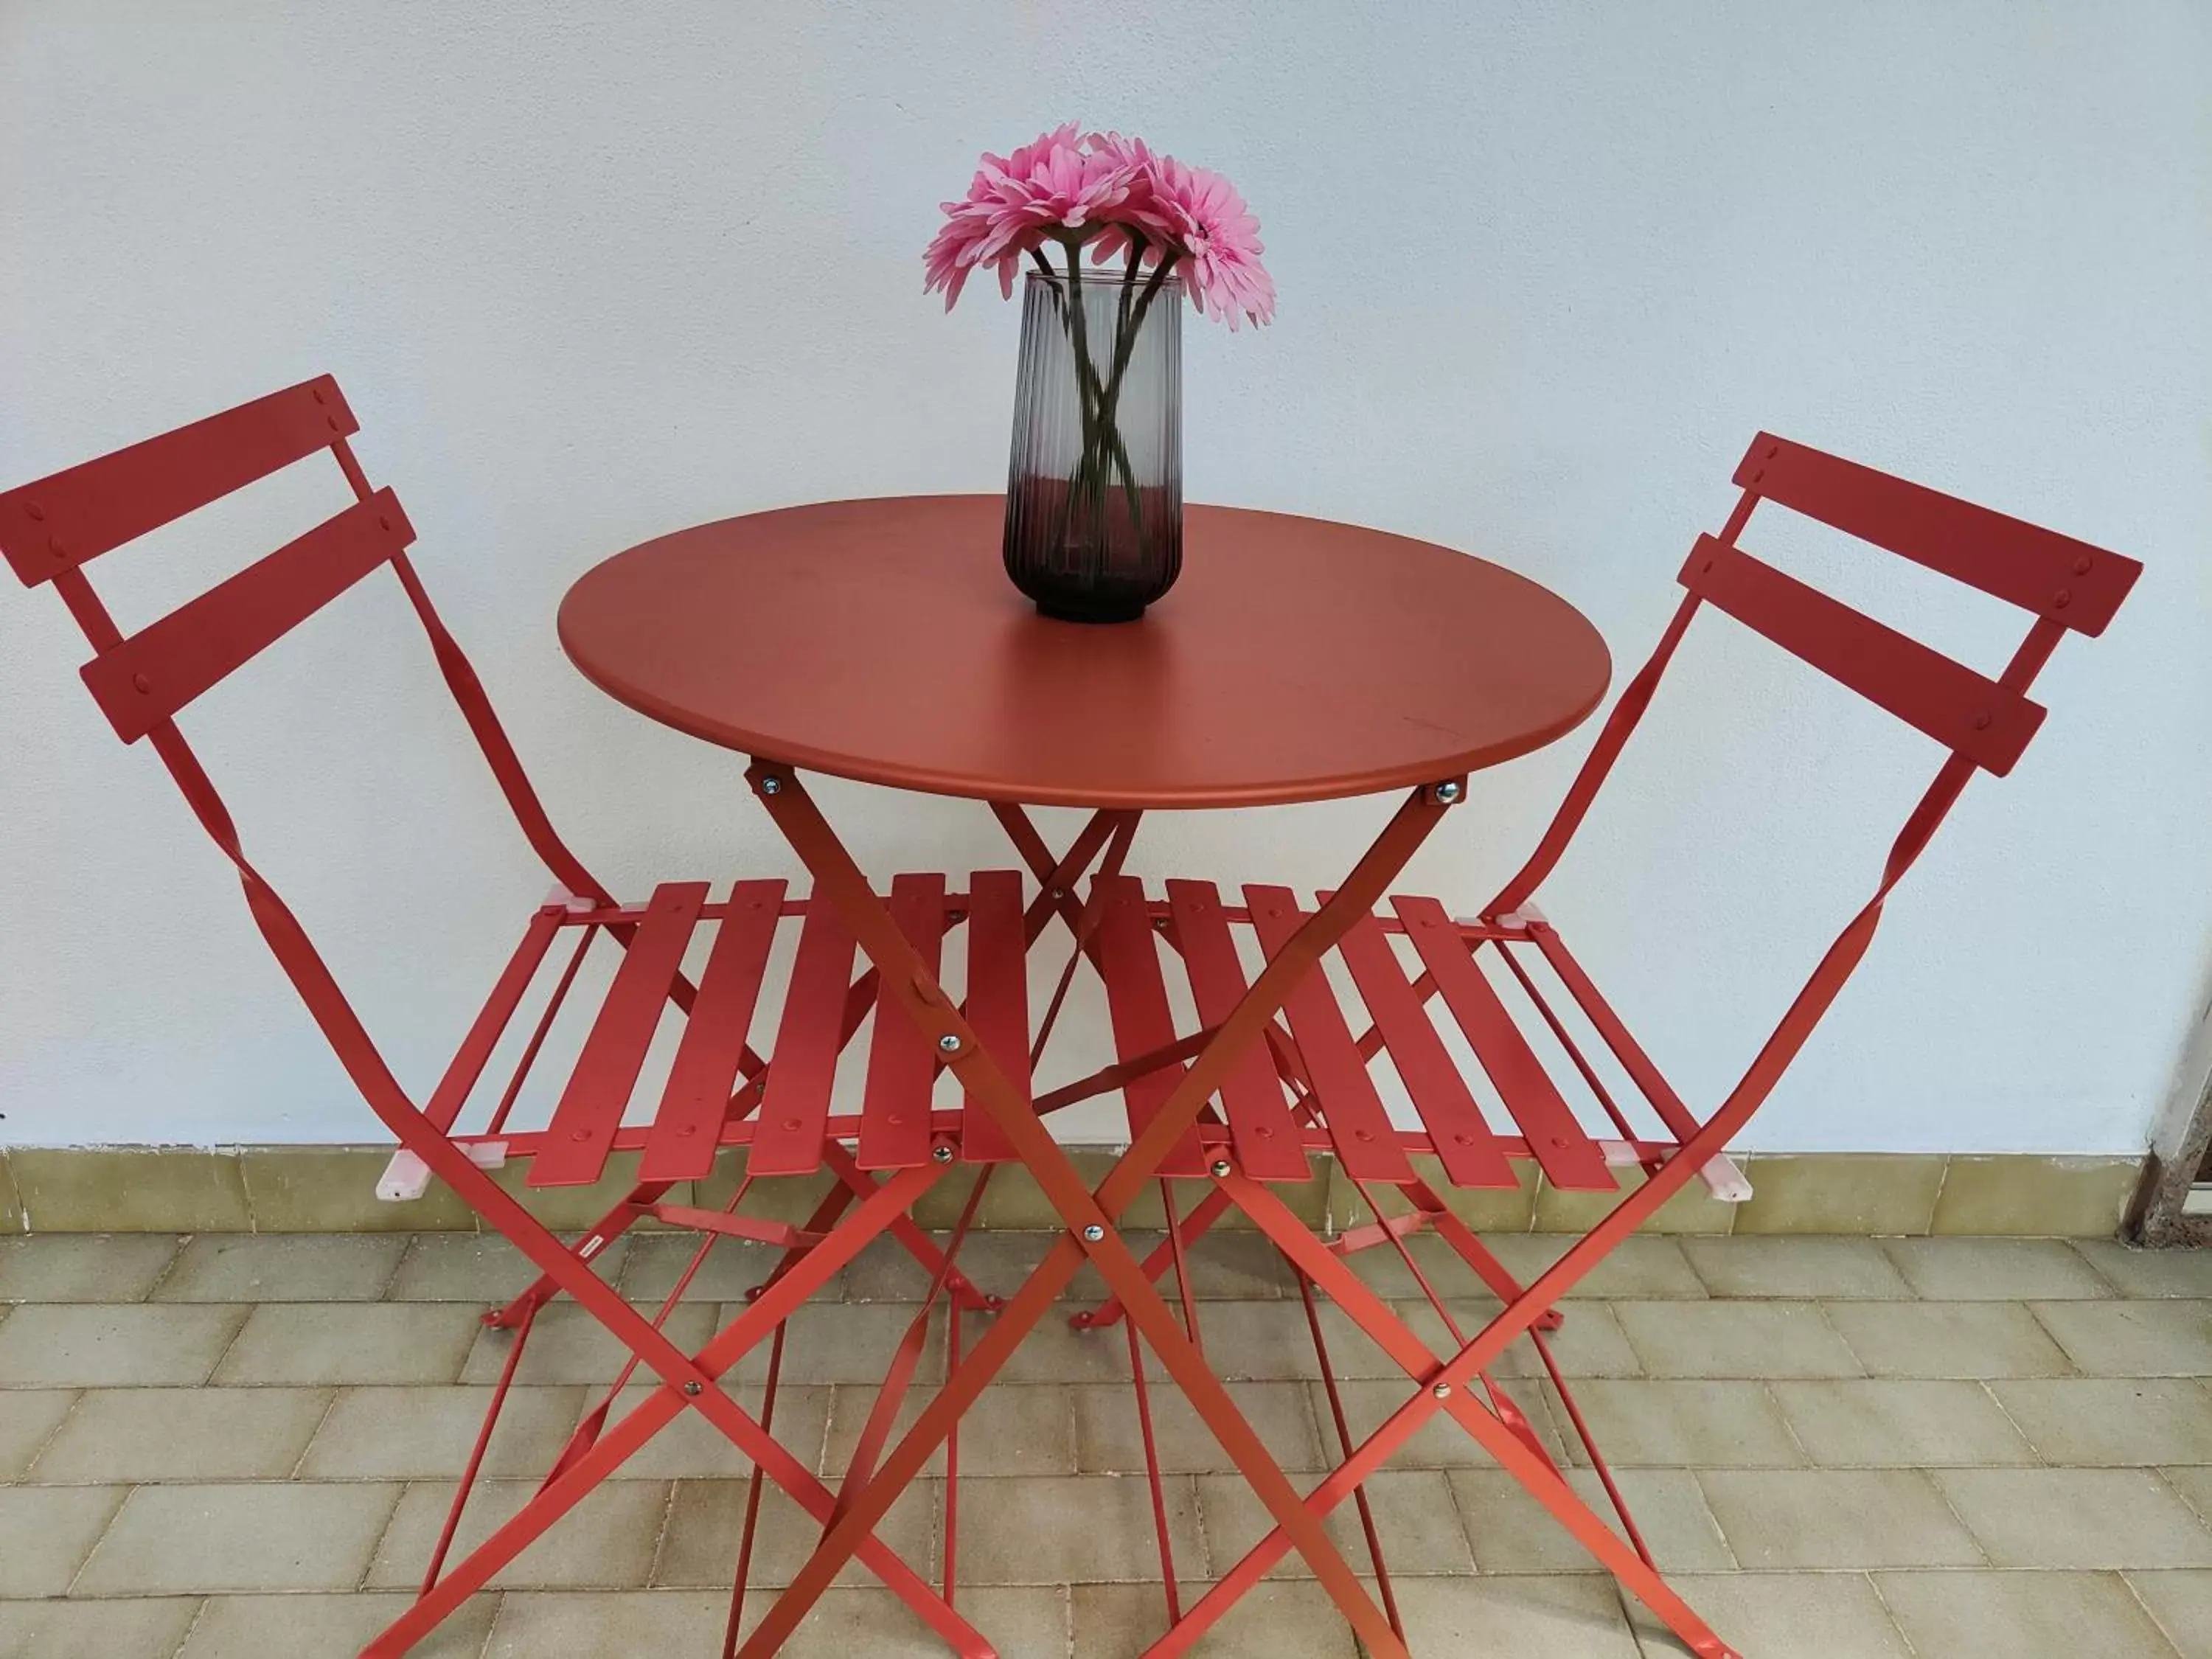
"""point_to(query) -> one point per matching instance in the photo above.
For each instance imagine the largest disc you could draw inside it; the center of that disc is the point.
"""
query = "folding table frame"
(1273, 1074)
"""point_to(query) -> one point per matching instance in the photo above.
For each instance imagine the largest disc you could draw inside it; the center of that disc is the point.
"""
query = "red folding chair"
(50, 531)
(1510, 989)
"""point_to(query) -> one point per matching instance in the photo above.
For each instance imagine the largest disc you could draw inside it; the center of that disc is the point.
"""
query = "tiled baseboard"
(332, 1189)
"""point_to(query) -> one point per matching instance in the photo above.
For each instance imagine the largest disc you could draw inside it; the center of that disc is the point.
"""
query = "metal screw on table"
(1094, 1232)
(1220, 1167)
(1443, 1391)
(1448, 793)
(942, 1152)
(950, 1042)
(771, 786)
(692, 1389)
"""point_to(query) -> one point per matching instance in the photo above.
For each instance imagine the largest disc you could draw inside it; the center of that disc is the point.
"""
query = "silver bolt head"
(1448, 792)
(692, 1389)
(941, 1153)
(950, 1042)
(771, 786)
(1220, 1166)
(1443, 1391)
(1094, 1232)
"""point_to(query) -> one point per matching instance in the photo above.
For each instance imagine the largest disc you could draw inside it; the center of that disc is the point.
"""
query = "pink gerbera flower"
(1121, 196)
(1056, 185)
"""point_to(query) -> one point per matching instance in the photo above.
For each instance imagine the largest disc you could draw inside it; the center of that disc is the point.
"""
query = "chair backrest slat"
(1960, 708)
(164, 666)
(64, 520)
(2070, 581)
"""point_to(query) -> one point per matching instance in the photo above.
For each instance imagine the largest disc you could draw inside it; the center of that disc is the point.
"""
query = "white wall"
(590, 272)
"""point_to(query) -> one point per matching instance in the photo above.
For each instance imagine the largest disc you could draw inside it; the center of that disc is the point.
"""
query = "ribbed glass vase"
(1094, 493)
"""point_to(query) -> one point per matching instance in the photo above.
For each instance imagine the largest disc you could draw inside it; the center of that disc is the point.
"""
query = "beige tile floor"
(242, 1446)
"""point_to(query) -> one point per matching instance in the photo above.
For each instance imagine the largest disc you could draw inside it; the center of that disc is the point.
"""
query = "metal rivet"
(140, 684)
(1981, 722)
(1443, 1391)
(693, 1389)
(1059, 892)
(791, 1123)
(1220, 1167)
(33, 512)
(2082, 566)
(1561, 1141)
(771, 786)
(950, 1042)
(1448, 793)
(942, 1152)
(1094, 1232)
(686, 1129)
(1265, 1130)
(2062, 598)
(1463, 1138)
(1363, 1134)
(579, 1135)
(896, 1117)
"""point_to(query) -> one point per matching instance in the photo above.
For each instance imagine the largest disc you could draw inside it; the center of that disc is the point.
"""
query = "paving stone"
(1680, 1423)
(1063, 1529)
(379, 1433)
(344, 1343)
(699, 1545)
(202, 1540)
(2181, 1602)
(1644, 1268)
(2176, 1273)
(96, 1347)
(864, 1620)
(1899, 1423)
(47, 1533)
(1786, 1519)
(144, 1628)
(84, 1266)
(2022, 1615)
(1512, 1533)
(2125, 1338)
(327, 1627)
(283, 1267)
(568, 1343)
(1835, 1615)
(1778, 1266)
(1279, 1619)
(1749, 1339)
(1414, 1513)
(1572, 1617)
(1995, 1269)
(2071, 1518)
(2112, 1422)
(1109, 1441)
(28, 1419)
(1968, 1340)
(125, 1436)
(1013, 1428)
(605, 1542)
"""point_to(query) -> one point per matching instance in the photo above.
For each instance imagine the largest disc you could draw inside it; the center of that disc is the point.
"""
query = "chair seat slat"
(1266, 1138)
(1568, 1156)
(998, 1002)
(901, 1058)
(1137, 1000)
(687, 1130)
(582, 1131)
(1365, 1139)
(795, 1106)
(1465, 1145)
(165, 665)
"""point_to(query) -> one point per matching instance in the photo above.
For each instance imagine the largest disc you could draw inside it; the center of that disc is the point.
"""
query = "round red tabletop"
(1297, 660)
